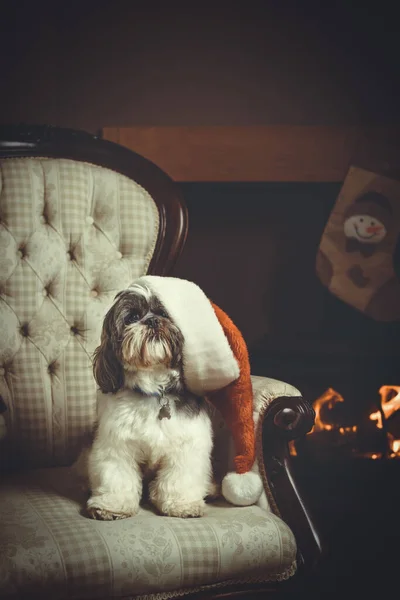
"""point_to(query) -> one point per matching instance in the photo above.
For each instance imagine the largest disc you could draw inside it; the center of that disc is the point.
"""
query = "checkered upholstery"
(50, 550)
(71, 235)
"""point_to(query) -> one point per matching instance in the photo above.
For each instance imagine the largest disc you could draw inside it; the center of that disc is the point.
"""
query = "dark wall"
(91, 64)
(252, 248)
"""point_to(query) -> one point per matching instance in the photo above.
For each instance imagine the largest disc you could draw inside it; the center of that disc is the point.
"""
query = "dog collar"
(139, 390)
(165, 410)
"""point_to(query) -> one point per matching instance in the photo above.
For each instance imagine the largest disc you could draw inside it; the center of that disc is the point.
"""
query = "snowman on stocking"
(355, 257)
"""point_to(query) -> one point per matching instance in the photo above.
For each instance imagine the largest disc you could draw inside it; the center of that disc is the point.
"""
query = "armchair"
(80, 218)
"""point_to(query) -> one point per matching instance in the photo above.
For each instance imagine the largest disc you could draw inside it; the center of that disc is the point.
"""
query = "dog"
(150, 428)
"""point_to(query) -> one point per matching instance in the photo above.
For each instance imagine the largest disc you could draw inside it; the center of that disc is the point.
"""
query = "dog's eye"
(131, 318)
(162, 313)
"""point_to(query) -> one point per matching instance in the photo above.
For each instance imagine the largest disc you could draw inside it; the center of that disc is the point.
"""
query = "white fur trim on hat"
(208, 361)
(242, 489)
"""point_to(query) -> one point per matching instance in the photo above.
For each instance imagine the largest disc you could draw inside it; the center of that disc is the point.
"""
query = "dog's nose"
(153, 321)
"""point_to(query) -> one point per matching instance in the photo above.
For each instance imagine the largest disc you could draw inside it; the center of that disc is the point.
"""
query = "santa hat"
(215, 365)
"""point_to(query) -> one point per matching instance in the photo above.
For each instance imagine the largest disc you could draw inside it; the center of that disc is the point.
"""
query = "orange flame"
(395, 446)
(388, 406)
(390, 403)
(329, 398)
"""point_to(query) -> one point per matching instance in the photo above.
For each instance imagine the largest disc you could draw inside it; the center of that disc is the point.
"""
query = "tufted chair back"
(80, 218)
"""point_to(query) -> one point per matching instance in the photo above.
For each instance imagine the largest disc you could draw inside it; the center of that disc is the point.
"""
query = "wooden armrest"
(287, 418)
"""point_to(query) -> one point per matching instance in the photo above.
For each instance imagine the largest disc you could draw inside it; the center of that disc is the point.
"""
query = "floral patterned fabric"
(48, 548)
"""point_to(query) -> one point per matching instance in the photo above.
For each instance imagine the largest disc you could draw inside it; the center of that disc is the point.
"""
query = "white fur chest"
(130, 418)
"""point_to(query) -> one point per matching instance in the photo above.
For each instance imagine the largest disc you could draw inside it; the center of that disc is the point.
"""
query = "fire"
(395, 446)
(348, 429)
(292, 448)
(389, 403)
(329, 398)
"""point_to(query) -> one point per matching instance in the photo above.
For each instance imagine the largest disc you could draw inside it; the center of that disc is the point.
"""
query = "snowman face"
(365, 229)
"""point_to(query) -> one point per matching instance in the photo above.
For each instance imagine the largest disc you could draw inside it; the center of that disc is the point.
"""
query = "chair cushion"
(71, 235)
(49, 548)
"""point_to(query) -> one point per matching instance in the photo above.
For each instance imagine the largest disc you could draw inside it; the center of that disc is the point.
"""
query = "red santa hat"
(215, 365)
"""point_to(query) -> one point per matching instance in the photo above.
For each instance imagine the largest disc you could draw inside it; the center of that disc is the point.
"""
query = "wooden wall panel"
(261, 153)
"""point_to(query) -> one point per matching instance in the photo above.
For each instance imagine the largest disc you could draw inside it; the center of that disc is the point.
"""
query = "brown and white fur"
(149, 425)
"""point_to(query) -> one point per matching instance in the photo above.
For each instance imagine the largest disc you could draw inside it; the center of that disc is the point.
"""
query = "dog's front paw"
(183, 510)
(100, 514)
(109, 507)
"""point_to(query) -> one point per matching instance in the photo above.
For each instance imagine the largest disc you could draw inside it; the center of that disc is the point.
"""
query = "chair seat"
(48, 548)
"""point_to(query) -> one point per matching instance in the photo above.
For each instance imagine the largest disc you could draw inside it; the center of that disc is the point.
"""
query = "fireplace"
(373, 436)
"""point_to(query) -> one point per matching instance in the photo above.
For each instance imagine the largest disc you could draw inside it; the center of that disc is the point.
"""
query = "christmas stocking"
(355, 257)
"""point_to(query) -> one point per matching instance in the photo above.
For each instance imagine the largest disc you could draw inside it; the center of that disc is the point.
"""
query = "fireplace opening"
(376, 435)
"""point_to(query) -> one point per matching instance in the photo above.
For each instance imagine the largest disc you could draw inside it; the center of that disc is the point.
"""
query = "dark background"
(251, 247)
(90, 64)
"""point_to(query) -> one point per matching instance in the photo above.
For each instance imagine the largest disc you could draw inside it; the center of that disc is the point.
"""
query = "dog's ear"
(107, 369)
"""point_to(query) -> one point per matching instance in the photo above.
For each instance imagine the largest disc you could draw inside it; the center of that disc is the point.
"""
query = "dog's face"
(137, 334)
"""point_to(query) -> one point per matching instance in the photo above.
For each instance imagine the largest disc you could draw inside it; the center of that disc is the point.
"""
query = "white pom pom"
(242, 489)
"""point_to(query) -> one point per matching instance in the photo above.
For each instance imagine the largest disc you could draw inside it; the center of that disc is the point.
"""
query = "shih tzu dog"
(150, 427)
